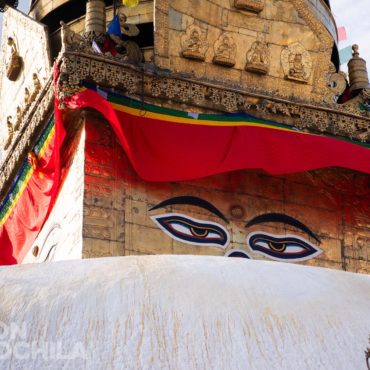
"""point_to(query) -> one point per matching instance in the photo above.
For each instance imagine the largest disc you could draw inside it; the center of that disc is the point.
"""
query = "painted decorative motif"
(296, 62)
(189, 230)
(186, 229)
(258, 58)
(238, 253)
(254, 6)
(193, 231)
(282, 247)
(225, 51)
(194, 45)
(50, 243)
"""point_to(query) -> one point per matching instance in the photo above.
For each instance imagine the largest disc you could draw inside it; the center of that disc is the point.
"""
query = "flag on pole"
(114, 27)
(342, 34)
(345, 54)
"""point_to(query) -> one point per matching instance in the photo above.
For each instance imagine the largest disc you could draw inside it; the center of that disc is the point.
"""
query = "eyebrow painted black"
(282, 218)
(192, 201)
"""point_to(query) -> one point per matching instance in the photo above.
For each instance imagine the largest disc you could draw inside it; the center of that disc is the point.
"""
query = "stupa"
(203, 128)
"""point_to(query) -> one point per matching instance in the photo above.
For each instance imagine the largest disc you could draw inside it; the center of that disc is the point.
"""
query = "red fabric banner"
(29, 203)
(32, 196)
(170, 151)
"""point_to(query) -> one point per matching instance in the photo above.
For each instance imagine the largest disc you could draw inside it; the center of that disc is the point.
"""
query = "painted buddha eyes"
(290, 248)
(192, 231)
(282, 248)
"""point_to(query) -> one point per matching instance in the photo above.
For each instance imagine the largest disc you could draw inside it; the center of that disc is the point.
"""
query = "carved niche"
(296, 62)
(254, 6)
(193, 43)
(258, 58)
(225, 51)
(14, 61)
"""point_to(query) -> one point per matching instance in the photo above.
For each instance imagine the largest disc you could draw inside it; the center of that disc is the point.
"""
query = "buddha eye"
(192, 231)
(282, 247)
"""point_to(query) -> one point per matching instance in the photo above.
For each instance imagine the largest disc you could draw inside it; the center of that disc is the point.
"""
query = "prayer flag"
(342, 34)
(130, 3)
(345, 54)
(115, 28)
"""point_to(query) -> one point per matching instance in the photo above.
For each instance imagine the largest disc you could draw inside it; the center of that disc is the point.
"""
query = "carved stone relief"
(194, 45)
(225, 51)
(254, 6)
(296, 62)
(18, 62)
(258, 58)
(14, 61)
(10, 128)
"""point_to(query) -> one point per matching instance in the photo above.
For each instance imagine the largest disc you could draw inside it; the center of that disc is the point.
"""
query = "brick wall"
(333, 203)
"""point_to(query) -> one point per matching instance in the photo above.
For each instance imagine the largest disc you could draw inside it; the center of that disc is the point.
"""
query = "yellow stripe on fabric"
(190, 121)
(46, 143)
(27, 178)
(19, 194)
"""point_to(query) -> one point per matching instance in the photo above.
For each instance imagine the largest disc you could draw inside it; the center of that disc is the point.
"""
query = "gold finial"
(357, 71)
(355, 52)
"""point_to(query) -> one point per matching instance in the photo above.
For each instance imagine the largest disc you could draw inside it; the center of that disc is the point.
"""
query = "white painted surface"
(61, 236)
(32, 44)
(184, 312)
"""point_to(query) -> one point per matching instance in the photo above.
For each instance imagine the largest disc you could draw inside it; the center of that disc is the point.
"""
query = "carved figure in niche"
(225, 51)
(254, 6)
(297, 69)
(27, 98)
(296, 62)
(18, 118)
(193, 44)
(258, 58)
(14, 61)
(36, 86)
(9, 125)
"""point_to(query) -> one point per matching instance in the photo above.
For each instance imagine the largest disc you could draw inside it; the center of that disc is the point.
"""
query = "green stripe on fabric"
(26, 168)
(16, 189)
(121, 100)
(201, 116)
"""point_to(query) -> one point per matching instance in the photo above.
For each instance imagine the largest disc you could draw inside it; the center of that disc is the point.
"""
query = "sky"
(354, 17)
(351, 15)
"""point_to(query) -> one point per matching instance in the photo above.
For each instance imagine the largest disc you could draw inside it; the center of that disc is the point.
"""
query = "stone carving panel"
(225, 51)
(296, 62)
(194, 45)
(258, 58)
